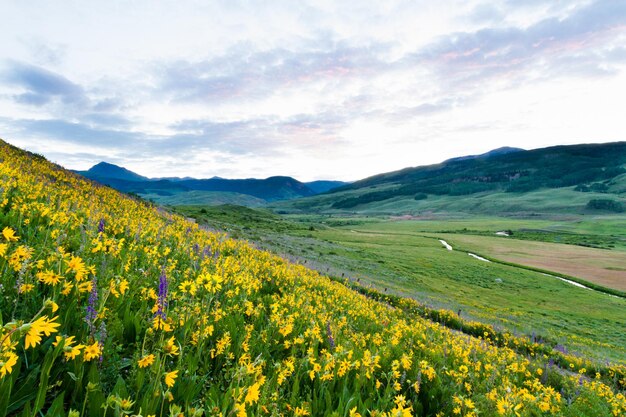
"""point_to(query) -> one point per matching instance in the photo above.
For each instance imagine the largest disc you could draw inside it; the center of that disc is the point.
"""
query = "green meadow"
(406, 258)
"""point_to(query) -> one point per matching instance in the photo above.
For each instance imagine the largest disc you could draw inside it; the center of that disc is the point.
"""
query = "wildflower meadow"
(110, 306)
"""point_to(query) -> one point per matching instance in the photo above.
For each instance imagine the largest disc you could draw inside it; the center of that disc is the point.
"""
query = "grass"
(112, 307)
(204, 198)
(406, 258)
(540, 203)
(599, 266)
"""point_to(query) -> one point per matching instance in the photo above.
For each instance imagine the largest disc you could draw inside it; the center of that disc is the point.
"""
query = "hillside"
(112, 307)
(104, 170)
(324, 186)
(174, 190)
(476, 184)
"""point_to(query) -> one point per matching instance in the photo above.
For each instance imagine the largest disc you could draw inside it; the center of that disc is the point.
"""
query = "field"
(559, 203)
(606, 268)
(110, 306)
(205, 198)
(405, 257)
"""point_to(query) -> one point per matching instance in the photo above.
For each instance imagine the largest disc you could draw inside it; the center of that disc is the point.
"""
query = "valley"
(111, 298)
(405, 258)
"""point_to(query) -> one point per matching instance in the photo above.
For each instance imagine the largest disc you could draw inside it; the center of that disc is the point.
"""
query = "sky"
(311, 89)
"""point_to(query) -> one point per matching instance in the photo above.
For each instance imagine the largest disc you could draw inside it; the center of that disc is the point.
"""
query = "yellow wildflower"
(300, 412)
(146, 361)
(39, 326)
(123, 286)
(69, 351)
(353, 413)
(170, 378)
(92, 351)
(6, 365)
(9, 234)
(171, 348)
(48, 277)
(26, 288)
(252, 395)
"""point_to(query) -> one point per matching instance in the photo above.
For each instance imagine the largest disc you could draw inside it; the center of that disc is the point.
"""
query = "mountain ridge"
(273, 188)
(588, 167)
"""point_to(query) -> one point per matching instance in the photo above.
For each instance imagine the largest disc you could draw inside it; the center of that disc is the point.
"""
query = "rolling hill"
(555, 176)
(115, 307)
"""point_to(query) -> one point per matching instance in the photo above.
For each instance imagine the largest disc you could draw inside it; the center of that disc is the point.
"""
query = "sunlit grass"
(112, 307)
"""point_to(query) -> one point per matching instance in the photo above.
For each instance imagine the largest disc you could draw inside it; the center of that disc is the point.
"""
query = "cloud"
(270, 136)
(246, 73)
(41, 86)
(509, 52)
(78, 133)
(486, 13)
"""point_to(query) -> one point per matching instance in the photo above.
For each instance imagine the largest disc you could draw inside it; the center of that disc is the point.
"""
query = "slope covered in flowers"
(109, 306)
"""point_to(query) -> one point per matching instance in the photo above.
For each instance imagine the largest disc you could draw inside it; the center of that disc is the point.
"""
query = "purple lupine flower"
(560, 348)
(329, 333)
(101, 226)
(92, 314)
(162, 300)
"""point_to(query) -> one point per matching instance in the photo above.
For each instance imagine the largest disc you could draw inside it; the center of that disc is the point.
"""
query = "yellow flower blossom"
(7, 361)
(48, 277)
(252, 395)
(146, 361)
(170, 378)
(9, 234)
(171, 348)
(26, 288)
(92, 351)
(39, 326)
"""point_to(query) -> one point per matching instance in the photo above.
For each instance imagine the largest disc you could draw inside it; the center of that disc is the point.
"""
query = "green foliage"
(517, 172)
(606, 205)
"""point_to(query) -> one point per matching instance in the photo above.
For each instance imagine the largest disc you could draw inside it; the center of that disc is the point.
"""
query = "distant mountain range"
(583, 177)
(175, 190)
(504, 179)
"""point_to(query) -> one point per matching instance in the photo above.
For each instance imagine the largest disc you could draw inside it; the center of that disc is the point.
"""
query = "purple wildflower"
(162, 300)
(329, 333)
(101, 226)
(92, 314)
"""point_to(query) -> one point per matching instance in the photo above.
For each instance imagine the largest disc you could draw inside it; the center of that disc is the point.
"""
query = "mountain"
(499, 151)
(324, 186)
(270, 189)
(168, 189)
(111, 171)
(504, 172)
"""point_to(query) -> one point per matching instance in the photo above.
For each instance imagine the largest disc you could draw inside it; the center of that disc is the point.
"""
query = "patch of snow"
(444, 243)
(569, 282)
(480, 258)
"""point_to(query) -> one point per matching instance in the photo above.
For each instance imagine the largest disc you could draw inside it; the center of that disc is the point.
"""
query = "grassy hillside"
(112, 307)
(407, 259)
(546, 202)
(205, 198)
(562, 179)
